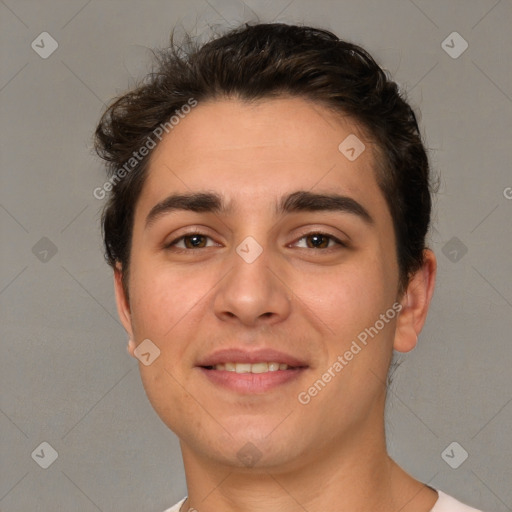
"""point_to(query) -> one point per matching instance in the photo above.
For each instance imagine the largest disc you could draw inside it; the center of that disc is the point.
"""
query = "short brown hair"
(262, 61)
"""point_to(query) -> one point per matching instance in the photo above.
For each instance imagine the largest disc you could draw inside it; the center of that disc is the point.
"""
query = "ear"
(123, 306)
(415, 303)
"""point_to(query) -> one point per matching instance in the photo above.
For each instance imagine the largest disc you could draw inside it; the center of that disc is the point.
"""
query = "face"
(264, 270)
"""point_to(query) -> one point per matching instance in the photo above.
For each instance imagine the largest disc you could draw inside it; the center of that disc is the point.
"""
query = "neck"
(358, 476)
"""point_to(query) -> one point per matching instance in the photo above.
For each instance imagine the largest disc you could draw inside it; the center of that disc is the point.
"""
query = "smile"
(261, 367)
(251, 379)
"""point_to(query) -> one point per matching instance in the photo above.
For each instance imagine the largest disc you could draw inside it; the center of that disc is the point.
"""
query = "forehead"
(267, 128)
(252, 152)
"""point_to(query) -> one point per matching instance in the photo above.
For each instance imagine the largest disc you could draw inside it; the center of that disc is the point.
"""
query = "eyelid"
(190, 233)
(198, 232)
(336, 239)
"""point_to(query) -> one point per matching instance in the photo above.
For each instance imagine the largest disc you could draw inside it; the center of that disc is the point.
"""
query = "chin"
(247, 449)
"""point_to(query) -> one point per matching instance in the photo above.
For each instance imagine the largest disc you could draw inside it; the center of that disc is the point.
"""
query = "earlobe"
(415, 304)
(131, 347)
(123, 308)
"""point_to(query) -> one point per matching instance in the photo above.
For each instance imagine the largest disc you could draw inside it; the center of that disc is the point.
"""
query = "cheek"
(163, 297)
(350, 302)
(351, 297)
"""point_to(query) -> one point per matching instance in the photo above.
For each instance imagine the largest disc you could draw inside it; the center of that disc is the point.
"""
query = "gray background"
(66, 377)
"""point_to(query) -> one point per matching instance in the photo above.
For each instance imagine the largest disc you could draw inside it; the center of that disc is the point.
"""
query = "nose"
(253, 293)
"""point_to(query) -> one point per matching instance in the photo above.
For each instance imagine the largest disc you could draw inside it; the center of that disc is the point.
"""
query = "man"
(266, 226)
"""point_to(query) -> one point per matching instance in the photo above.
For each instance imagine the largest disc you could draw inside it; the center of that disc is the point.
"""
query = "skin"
(303, 300)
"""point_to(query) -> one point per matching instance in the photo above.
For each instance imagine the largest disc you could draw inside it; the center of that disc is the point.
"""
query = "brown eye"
(319, 241)
(190, 241)
(194, 241)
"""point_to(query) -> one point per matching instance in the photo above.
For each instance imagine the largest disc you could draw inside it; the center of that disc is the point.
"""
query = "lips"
(251, 372)
(261, 367)
(253, 357)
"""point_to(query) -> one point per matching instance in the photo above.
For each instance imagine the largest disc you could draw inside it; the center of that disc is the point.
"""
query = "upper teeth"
(251, 368)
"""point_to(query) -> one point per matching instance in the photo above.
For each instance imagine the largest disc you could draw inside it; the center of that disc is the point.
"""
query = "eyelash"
(337, 241)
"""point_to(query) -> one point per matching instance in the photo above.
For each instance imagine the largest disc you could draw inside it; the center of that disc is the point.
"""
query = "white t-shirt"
(444, 503)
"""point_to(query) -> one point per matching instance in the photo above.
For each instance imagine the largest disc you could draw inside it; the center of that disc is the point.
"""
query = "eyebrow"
(201, 202)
